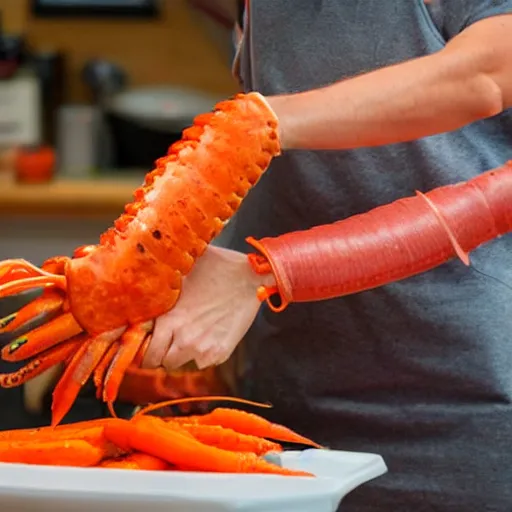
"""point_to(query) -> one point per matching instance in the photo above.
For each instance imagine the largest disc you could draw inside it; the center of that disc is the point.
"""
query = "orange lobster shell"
(106, 297)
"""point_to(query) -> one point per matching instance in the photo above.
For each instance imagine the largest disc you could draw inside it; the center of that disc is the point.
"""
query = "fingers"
(209, 349)
(215, 352)
(161, 340)
(177, 356)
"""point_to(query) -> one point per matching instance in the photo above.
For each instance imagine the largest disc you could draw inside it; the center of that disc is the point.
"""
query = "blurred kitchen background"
(91, 93)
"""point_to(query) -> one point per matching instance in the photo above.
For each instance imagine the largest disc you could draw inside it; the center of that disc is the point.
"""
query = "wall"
(173, 49)
(181, 47)
(36, 239)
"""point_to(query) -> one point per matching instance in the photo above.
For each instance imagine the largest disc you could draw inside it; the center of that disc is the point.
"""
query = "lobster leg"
(13, 270)
(50, 302)
(78, 371)
(102, 368)
(131, 342)
(31, 283)
(40, 364)
(42, 338)
(18, 275)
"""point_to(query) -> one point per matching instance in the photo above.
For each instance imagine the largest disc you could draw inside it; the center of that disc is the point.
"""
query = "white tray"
(53, 489)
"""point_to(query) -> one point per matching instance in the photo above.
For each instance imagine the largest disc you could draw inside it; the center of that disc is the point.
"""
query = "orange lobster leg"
(130, 344)
(16, 269)
(50, 302)
(40, 364)
(247, 423)
(78, 371)
(13, 270)
(101, 370)
(42, 338)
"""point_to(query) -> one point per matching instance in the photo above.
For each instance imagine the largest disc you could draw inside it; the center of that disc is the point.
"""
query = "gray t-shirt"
(419, 371)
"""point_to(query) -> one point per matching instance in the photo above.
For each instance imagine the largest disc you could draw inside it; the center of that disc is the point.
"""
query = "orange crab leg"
(247, 423)
(40, 364)
(78, 371)
(130, 344)
(50, 302)
(42, 338)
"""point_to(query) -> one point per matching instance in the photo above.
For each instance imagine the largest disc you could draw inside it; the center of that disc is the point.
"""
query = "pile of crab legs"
(102, 302)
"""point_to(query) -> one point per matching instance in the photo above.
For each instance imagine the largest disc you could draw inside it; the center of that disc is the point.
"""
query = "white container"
(20, 110)
(52, 489)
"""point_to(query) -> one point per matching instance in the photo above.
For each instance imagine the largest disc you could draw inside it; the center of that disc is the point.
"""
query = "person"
(374, 100)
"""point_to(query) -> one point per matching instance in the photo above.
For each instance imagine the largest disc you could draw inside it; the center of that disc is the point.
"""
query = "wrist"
(280, 106)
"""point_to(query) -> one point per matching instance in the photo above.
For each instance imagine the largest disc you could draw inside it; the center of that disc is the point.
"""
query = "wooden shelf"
(92, 197)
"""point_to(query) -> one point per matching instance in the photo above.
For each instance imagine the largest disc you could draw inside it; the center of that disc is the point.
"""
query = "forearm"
(421, 97)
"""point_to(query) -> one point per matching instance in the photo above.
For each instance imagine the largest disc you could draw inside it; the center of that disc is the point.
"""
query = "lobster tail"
(183, 204)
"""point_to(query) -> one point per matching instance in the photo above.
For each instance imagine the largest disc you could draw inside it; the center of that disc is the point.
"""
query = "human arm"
(470, 79)
(306, 263)
(221, 296)
(217, 306)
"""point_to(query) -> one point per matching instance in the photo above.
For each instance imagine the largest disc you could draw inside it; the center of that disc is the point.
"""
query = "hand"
(217, 306)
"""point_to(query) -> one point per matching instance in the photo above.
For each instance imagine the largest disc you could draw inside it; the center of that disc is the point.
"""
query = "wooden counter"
(91, 197)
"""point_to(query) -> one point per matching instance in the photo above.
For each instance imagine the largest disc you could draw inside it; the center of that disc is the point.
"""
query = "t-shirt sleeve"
(460, 14)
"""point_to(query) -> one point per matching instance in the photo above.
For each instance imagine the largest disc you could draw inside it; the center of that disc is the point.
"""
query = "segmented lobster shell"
(136, 273)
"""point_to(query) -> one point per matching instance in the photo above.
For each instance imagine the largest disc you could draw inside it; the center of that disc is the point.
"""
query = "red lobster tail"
(387, 244)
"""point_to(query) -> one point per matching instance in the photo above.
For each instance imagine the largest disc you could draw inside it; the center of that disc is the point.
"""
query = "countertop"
(66, 196)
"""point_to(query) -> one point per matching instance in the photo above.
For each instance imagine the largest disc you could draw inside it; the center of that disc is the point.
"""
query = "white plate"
(54, 489)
